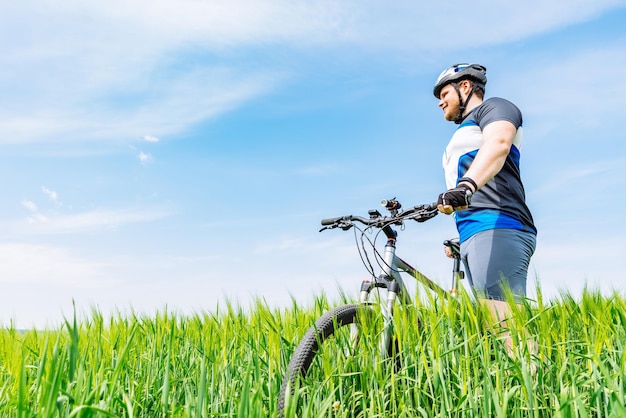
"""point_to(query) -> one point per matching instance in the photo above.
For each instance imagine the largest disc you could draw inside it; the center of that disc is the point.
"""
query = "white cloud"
(42, 263)
(36, 218)
(31, 206)
(565, 92)
(51, 194)
(150, 138)
(41, 282)
(115, 67)
(144, 158)
(591, 176)
(97, 220)
(218, 25)
(561, 265)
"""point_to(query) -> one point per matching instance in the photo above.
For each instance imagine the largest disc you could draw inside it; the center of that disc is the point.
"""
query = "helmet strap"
(462, 104)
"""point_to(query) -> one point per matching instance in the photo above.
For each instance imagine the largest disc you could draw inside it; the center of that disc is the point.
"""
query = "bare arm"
(498, 137)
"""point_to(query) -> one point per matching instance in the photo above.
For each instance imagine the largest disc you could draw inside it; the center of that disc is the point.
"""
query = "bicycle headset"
(475, 72)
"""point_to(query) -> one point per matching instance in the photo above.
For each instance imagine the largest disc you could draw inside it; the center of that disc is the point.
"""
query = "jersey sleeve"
(496, 109)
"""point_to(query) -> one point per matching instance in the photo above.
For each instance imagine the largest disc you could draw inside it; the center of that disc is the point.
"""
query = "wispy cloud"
(113, 68)
(34, 215)
(144, 158)
(150, 138)
(31, 206)
(593, 176)
(219, 25)
(97, 220)
(188, 99)
(575, 87)
(32, 263)
(51, 194)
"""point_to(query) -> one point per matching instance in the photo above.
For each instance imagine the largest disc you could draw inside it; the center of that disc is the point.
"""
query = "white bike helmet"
(475, 72)
(458, 72)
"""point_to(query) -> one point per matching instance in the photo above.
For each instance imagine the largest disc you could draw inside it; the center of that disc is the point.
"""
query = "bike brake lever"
(345, 227)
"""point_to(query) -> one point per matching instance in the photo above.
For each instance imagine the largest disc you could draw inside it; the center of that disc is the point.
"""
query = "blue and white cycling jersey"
(501, 202)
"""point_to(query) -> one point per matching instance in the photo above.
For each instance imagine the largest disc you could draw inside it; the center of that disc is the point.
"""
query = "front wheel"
(334, 366)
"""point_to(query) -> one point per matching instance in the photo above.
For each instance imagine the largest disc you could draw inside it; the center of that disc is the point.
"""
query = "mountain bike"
(344, 331)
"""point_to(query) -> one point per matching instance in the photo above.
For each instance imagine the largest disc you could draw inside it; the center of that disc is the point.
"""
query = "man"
(485, 191)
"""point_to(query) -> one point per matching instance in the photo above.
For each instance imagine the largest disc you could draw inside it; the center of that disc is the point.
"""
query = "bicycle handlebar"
(419, 213)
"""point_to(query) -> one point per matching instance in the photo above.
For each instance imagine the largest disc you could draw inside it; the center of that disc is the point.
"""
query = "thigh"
(498, 259)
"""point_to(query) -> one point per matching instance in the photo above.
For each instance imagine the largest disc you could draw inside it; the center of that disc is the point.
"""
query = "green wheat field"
(229, 363)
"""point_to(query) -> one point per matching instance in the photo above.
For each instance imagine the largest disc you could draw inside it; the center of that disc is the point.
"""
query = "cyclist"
(485, 191)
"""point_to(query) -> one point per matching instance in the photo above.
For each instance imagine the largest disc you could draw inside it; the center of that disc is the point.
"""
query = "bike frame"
(391, 280)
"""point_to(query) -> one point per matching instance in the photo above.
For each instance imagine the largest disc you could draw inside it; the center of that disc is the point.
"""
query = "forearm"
(488, 162)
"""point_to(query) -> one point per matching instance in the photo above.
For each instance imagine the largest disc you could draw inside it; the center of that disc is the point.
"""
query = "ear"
(465, 86)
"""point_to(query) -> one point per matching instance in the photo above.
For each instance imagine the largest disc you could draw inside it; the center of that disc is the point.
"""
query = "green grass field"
(229, 363)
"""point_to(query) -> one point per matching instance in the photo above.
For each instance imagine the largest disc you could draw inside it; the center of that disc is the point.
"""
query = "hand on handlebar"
(458, 198)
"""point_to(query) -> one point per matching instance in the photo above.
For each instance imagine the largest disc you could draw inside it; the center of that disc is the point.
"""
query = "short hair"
(479, 90)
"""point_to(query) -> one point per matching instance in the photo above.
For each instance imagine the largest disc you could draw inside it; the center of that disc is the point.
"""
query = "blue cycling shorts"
(496, 259)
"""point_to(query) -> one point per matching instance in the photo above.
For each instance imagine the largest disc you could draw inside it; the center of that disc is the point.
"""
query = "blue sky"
(181, 153)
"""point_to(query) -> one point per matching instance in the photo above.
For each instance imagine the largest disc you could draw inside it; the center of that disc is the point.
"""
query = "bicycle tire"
(326, 326)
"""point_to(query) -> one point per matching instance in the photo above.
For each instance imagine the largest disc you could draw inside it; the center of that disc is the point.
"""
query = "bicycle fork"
(390, 280)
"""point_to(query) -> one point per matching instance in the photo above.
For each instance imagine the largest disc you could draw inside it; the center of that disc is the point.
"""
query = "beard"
(452, 112)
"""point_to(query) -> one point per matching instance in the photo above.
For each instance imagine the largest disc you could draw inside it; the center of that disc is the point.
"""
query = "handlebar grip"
(432, 206)
(330, 221)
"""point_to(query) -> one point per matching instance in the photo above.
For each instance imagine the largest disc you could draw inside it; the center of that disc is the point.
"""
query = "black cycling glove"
(460, 196)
